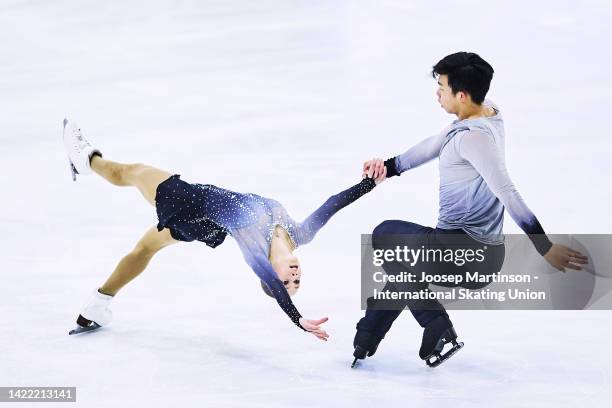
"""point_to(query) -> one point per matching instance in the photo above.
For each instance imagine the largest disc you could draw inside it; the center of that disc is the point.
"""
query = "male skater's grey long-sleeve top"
(474, 183)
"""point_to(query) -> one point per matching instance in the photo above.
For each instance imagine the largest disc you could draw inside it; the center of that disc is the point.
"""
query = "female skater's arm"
(263, 269)
(481, 151)
(307, 229)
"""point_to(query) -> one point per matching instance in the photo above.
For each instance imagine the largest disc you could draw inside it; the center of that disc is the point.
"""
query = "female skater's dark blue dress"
(208, 213)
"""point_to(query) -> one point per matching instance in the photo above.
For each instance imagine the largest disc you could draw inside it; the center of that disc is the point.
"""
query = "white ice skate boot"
(78, 148)
(95, 313)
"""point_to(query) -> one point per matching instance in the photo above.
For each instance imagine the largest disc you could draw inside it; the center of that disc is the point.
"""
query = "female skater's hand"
(562, 257)
(381, 177)
(375, 169)
(313, 326)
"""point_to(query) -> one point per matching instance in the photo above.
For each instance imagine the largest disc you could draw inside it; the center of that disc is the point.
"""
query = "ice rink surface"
(284, 99)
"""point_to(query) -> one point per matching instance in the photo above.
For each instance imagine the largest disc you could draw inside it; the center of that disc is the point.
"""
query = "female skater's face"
(289, 272)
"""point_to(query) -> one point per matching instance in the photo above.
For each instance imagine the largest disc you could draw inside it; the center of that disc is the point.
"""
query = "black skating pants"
(391, 233)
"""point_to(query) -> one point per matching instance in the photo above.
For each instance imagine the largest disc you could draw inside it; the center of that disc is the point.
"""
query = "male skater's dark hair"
(467, 72)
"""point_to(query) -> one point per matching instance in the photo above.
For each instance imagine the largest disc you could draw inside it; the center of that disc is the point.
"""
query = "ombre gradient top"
(474, 183)
(208, 213)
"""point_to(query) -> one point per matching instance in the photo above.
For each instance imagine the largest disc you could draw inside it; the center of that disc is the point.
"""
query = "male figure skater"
(475, 188)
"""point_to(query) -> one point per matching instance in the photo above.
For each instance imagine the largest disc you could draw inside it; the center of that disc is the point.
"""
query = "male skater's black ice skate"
(365, 345)
(438, 333)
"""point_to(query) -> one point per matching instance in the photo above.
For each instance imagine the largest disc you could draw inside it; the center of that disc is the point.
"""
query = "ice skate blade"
(360, 353)
(73, 170)
(84, 329)
(440, 358)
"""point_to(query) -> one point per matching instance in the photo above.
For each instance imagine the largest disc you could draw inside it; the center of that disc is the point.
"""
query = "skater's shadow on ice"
(206, 348)
(488, 369)
(491, 369)
(385, 367)
(166, 344)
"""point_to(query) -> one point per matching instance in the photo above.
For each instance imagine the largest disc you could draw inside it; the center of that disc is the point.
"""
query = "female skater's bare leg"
(144, 177)
(137, 260)
(96, 311)
(84, 159)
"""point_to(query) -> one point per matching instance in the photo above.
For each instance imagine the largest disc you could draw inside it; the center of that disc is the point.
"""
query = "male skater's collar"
(488, 103)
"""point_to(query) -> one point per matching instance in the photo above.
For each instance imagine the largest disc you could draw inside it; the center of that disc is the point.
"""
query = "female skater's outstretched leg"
(144, 177)
(85, 159)
(137, 260)
(96, 311)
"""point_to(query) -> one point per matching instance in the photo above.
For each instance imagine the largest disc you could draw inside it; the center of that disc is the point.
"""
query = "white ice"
(284, 99)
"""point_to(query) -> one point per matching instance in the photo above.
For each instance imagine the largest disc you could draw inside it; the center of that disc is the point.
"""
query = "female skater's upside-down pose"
(265, 233)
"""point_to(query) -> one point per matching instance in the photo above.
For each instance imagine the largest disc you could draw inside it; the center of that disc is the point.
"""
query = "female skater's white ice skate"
(78, 148)
(95, 313)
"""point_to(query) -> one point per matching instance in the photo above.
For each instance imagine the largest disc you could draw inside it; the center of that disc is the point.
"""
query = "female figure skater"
(265, 233)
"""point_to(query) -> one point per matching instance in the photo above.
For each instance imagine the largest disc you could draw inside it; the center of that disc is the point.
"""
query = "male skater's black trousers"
(392, 233)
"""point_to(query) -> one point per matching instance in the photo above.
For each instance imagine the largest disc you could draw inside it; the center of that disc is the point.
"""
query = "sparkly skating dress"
(208, 213)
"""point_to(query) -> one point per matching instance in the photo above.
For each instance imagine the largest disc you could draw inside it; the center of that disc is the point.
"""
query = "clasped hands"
(375, 169)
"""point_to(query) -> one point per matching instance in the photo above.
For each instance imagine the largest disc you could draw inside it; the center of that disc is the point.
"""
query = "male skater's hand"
(375, 169)
(313, 327)
(562, 257)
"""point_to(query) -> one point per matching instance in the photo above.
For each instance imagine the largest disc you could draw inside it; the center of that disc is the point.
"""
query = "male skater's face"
(447, 100)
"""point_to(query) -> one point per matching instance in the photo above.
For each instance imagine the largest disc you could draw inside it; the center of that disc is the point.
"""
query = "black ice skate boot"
(365, 344)
(437, 333)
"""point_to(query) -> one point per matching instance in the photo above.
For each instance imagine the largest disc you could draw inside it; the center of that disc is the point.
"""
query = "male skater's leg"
(396, 233)
(373, 327)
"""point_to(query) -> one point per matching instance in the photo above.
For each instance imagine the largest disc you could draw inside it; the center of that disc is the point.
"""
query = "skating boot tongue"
(97, 309)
